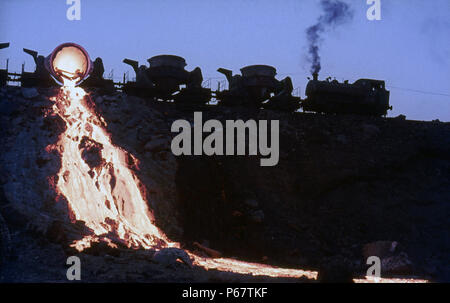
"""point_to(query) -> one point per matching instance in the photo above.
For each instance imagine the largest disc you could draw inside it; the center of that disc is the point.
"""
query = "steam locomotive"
(363, 97)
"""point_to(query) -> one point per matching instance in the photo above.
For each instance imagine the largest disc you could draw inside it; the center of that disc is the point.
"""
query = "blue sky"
(409, 47)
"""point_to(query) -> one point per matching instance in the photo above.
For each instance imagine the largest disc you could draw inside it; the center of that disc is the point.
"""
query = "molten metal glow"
(95, 179)
(389, 280)
(255, 269)
(70, 63)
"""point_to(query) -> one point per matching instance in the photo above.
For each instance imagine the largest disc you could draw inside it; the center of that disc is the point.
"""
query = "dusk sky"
(409, 48)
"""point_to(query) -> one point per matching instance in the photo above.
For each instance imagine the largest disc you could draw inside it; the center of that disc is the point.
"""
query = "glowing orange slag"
(104, 193)
(390, 280)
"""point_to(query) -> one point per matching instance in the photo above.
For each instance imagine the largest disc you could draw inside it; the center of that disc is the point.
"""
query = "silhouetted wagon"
(40, 77)
(252, 88)
(364, 97)
(163, 78)
(167, 73)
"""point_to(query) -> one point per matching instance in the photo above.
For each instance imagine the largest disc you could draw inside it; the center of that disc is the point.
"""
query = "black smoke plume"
(334, 13)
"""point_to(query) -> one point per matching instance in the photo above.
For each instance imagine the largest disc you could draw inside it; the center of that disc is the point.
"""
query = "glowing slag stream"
(95, 179)
(103, 192)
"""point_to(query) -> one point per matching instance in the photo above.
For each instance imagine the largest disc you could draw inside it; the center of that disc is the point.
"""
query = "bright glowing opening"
(71, 64)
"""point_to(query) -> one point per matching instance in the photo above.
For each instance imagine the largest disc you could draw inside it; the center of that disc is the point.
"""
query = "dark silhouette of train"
(364, 97)
(256, 87)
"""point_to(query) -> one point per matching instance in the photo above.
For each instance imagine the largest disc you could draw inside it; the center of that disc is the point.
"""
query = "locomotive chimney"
(315, 76)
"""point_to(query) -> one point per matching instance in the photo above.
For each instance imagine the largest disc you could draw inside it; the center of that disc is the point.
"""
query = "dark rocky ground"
(342, 182)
